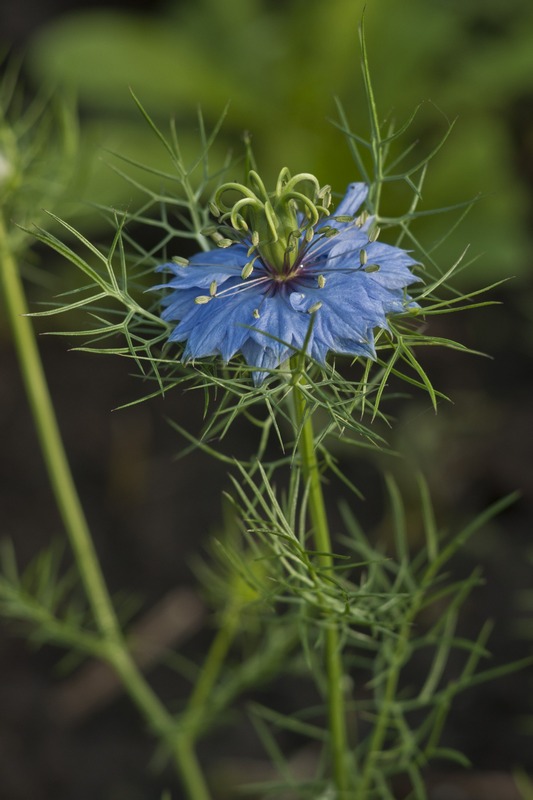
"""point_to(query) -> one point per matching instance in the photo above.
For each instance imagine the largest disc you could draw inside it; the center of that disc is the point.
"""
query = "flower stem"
(114, 648)
(333, 663)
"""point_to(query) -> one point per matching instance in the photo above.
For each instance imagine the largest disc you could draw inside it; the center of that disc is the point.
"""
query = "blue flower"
(332, 267)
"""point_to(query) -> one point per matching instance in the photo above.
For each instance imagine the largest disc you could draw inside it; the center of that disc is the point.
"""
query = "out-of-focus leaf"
(279, 65)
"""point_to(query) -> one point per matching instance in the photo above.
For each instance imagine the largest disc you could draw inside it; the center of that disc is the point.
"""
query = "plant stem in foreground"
(77, 529)
(319, 521)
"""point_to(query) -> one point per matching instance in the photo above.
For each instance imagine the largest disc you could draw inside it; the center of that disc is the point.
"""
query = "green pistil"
(273, 217)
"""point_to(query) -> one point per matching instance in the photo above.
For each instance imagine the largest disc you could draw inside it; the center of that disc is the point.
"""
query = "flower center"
(276, 221)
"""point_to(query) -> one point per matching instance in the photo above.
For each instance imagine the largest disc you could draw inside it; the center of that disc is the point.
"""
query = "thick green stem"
(114, 648)
(319, 521)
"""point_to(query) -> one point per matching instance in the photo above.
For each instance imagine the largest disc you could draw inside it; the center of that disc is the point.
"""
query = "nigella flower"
(282, 259)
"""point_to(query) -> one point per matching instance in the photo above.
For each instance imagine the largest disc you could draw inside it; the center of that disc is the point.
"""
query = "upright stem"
(319, 521)
(50, 439)
(77, 529)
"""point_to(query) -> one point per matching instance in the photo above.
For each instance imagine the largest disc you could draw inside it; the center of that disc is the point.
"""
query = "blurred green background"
(279, 64)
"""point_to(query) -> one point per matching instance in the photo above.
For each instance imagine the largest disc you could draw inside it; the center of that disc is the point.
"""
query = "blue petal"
(356, 194)
(345, 248)
(178, 303)
(278, 319)
(256, 355)
(218, 327)
(204, 268)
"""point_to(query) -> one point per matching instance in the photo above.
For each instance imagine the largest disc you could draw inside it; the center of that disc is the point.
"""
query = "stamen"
(256, 313)
(325, 195)
(181, 262)
(321, 281)
(242, 287)
(313, 259)
(372, 268)
(314, 307)
(248, 269)
(320, 242)
(213, 288)
(202, 299)
(373, 232)
(331, 232)
(363, 256)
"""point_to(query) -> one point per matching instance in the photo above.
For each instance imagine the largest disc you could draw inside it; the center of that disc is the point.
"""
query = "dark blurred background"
(279, 64)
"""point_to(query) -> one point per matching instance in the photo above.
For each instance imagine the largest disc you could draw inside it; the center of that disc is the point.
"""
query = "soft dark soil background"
(150, 513)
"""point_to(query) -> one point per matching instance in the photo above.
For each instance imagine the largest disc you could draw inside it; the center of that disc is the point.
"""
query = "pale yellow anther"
(247, 270)
(373, 233)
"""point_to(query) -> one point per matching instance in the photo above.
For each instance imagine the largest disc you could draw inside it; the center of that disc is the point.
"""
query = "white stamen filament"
(232, 290)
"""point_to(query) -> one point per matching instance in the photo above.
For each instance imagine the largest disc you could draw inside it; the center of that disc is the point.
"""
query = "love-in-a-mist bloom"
(282, 259)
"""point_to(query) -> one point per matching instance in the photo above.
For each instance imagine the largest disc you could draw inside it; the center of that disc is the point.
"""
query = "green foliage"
(394, 608)
(38, 147)
(45, 600)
